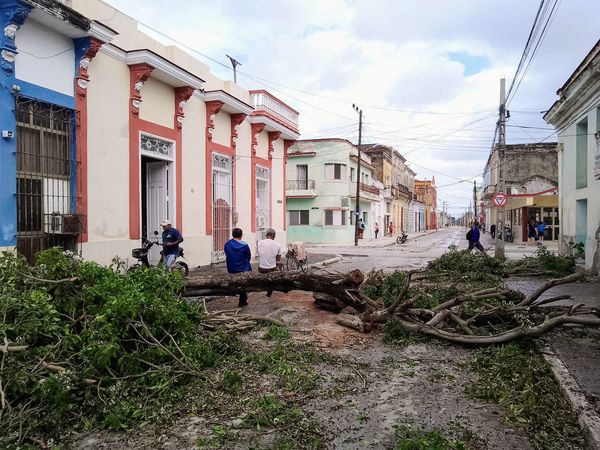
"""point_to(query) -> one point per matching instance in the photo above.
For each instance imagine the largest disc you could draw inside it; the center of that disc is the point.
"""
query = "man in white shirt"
(269, 253)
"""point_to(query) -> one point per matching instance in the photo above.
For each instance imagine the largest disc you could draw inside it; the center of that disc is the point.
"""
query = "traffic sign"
(500, 199)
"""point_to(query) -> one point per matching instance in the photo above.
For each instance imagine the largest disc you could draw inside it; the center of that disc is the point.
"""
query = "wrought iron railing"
(300, 185)
(264, 101)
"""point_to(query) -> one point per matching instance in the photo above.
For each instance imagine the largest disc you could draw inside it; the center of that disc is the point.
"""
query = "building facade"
(576, 115)
(321, 191)
(426, 193)
(113, 132)
(531, 185)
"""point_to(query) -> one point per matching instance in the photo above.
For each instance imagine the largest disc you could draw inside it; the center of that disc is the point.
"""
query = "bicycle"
(292, 261)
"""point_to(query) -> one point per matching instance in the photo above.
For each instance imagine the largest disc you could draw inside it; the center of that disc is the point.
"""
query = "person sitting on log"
(269, 254)
(238, 255)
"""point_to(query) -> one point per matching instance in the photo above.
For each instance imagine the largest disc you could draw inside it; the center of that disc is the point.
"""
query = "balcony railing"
(300, 185)
(370, 189)
(264, 101)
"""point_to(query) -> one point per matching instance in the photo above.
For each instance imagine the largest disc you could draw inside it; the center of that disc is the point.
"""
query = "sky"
(426, 74)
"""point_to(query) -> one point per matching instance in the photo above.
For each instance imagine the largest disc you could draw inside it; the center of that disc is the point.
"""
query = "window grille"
(47, 171)
(153, 146)
(263, 198)
(222, 204)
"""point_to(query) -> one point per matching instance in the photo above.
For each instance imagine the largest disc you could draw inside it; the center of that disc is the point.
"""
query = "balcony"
(367, 192)
(267, 104)
(371, 189)
(300, 189)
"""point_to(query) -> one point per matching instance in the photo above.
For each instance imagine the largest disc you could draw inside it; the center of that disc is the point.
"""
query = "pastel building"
(426, 193)
(576, 116)
(321, 191)
(108, 132)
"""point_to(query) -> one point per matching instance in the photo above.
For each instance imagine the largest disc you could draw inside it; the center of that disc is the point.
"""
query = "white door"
(157, 198)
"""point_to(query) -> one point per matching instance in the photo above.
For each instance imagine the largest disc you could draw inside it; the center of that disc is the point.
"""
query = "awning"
(534, 201)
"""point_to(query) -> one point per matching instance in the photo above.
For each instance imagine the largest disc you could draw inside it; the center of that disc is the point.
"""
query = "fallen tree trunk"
(339, 289)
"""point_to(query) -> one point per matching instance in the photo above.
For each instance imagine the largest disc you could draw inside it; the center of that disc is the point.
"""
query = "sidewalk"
(516, 250)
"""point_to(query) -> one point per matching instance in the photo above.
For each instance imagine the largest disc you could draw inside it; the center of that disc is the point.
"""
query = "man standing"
(361, 228)
(473, 238)
(269, 253)
(237, 254)
(376, 229)
(171, 238)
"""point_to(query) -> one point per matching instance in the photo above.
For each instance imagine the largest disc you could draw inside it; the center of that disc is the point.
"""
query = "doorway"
(156, 204)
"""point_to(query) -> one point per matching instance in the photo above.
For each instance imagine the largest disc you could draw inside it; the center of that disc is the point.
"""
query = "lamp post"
(357, 210)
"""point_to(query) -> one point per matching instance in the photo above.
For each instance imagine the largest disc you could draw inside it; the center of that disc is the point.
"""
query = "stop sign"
(500, 199)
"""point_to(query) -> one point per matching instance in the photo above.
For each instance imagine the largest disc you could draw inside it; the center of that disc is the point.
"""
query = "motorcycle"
(402, 238)
(508, 235)
(141, 254)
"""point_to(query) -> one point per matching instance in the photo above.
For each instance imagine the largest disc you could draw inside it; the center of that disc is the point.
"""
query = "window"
(302, 176)
(508, 190)
(335, 171)
(299, 217)
(335, 217)
(581, 155)
(352, 170)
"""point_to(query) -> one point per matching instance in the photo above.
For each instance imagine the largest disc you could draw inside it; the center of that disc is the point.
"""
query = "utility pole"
(234, 63)
(357, 211)
(475, 198)
(499, 252)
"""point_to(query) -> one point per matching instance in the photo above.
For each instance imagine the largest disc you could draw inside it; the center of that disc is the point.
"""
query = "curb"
(586, 414)
(329, 261)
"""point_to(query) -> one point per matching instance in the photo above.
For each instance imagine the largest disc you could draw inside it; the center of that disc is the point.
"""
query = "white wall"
(45, 58)
(158, 103)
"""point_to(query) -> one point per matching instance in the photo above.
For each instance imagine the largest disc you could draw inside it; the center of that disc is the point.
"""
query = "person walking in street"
(391, 228)
(269, 254)
(237, 255)
(171, 238)
(361, 228)
(376, 229)
(493, 231)
(531, 233)
(473, 236)
(540, 228)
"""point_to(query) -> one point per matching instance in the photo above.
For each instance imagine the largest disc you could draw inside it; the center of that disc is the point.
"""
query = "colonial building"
(108, 132)
(576, 115)
(426, 193)
(321, 191)
(398, 178)
(531, 185)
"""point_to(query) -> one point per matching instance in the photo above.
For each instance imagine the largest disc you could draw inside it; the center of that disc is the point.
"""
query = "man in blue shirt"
(171, 238)
(473, 238)
(237, 254)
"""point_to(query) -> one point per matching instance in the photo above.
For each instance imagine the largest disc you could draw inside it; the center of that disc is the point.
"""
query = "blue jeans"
(169, 260)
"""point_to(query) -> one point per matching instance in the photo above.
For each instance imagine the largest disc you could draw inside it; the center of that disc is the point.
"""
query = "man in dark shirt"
(237, 254)
(171, 238)
(473, 237)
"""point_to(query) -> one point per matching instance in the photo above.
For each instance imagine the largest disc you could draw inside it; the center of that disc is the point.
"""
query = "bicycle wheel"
(182, 267)
(292, 264)
(398, 240)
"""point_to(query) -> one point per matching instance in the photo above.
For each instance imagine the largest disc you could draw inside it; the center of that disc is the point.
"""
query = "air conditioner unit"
(345, 202)
(61, 224)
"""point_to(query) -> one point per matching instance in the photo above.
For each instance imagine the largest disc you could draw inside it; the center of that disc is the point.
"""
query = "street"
(384, 253)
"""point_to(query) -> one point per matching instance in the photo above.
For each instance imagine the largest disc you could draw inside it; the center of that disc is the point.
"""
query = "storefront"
(521, 209)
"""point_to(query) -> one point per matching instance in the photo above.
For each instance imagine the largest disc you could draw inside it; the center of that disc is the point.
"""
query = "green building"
(321, 191)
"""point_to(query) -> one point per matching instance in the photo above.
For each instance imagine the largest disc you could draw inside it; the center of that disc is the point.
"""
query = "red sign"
(500, 199)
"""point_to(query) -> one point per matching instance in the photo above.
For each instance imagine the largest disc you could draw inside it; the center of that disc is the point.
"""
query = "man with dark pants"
(237, 254)
(473, 238)
(269, 254)
(171, 238)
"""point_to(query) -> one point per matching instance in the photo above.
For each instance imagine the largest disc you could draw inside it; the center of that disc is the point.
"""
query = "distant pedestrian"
(171, 238)
(540, 228)
(238, 255)
(361, 228)
(493, 231)
(473, 238)
(376, 229)
(391, 228)
(531, 233)
(269, 254)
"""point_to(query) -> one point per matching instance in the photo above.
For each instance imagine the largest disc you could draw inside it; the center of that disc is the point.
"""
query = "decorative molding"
(101, 32)
(231, 104)
(83, 77)
(286, 133)
(15, 16)
(139, 73)
(182, 95)
(236, 120)
(287, 143)
(164, 70)
(212, 109)
(256, 130)
(273, 136)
